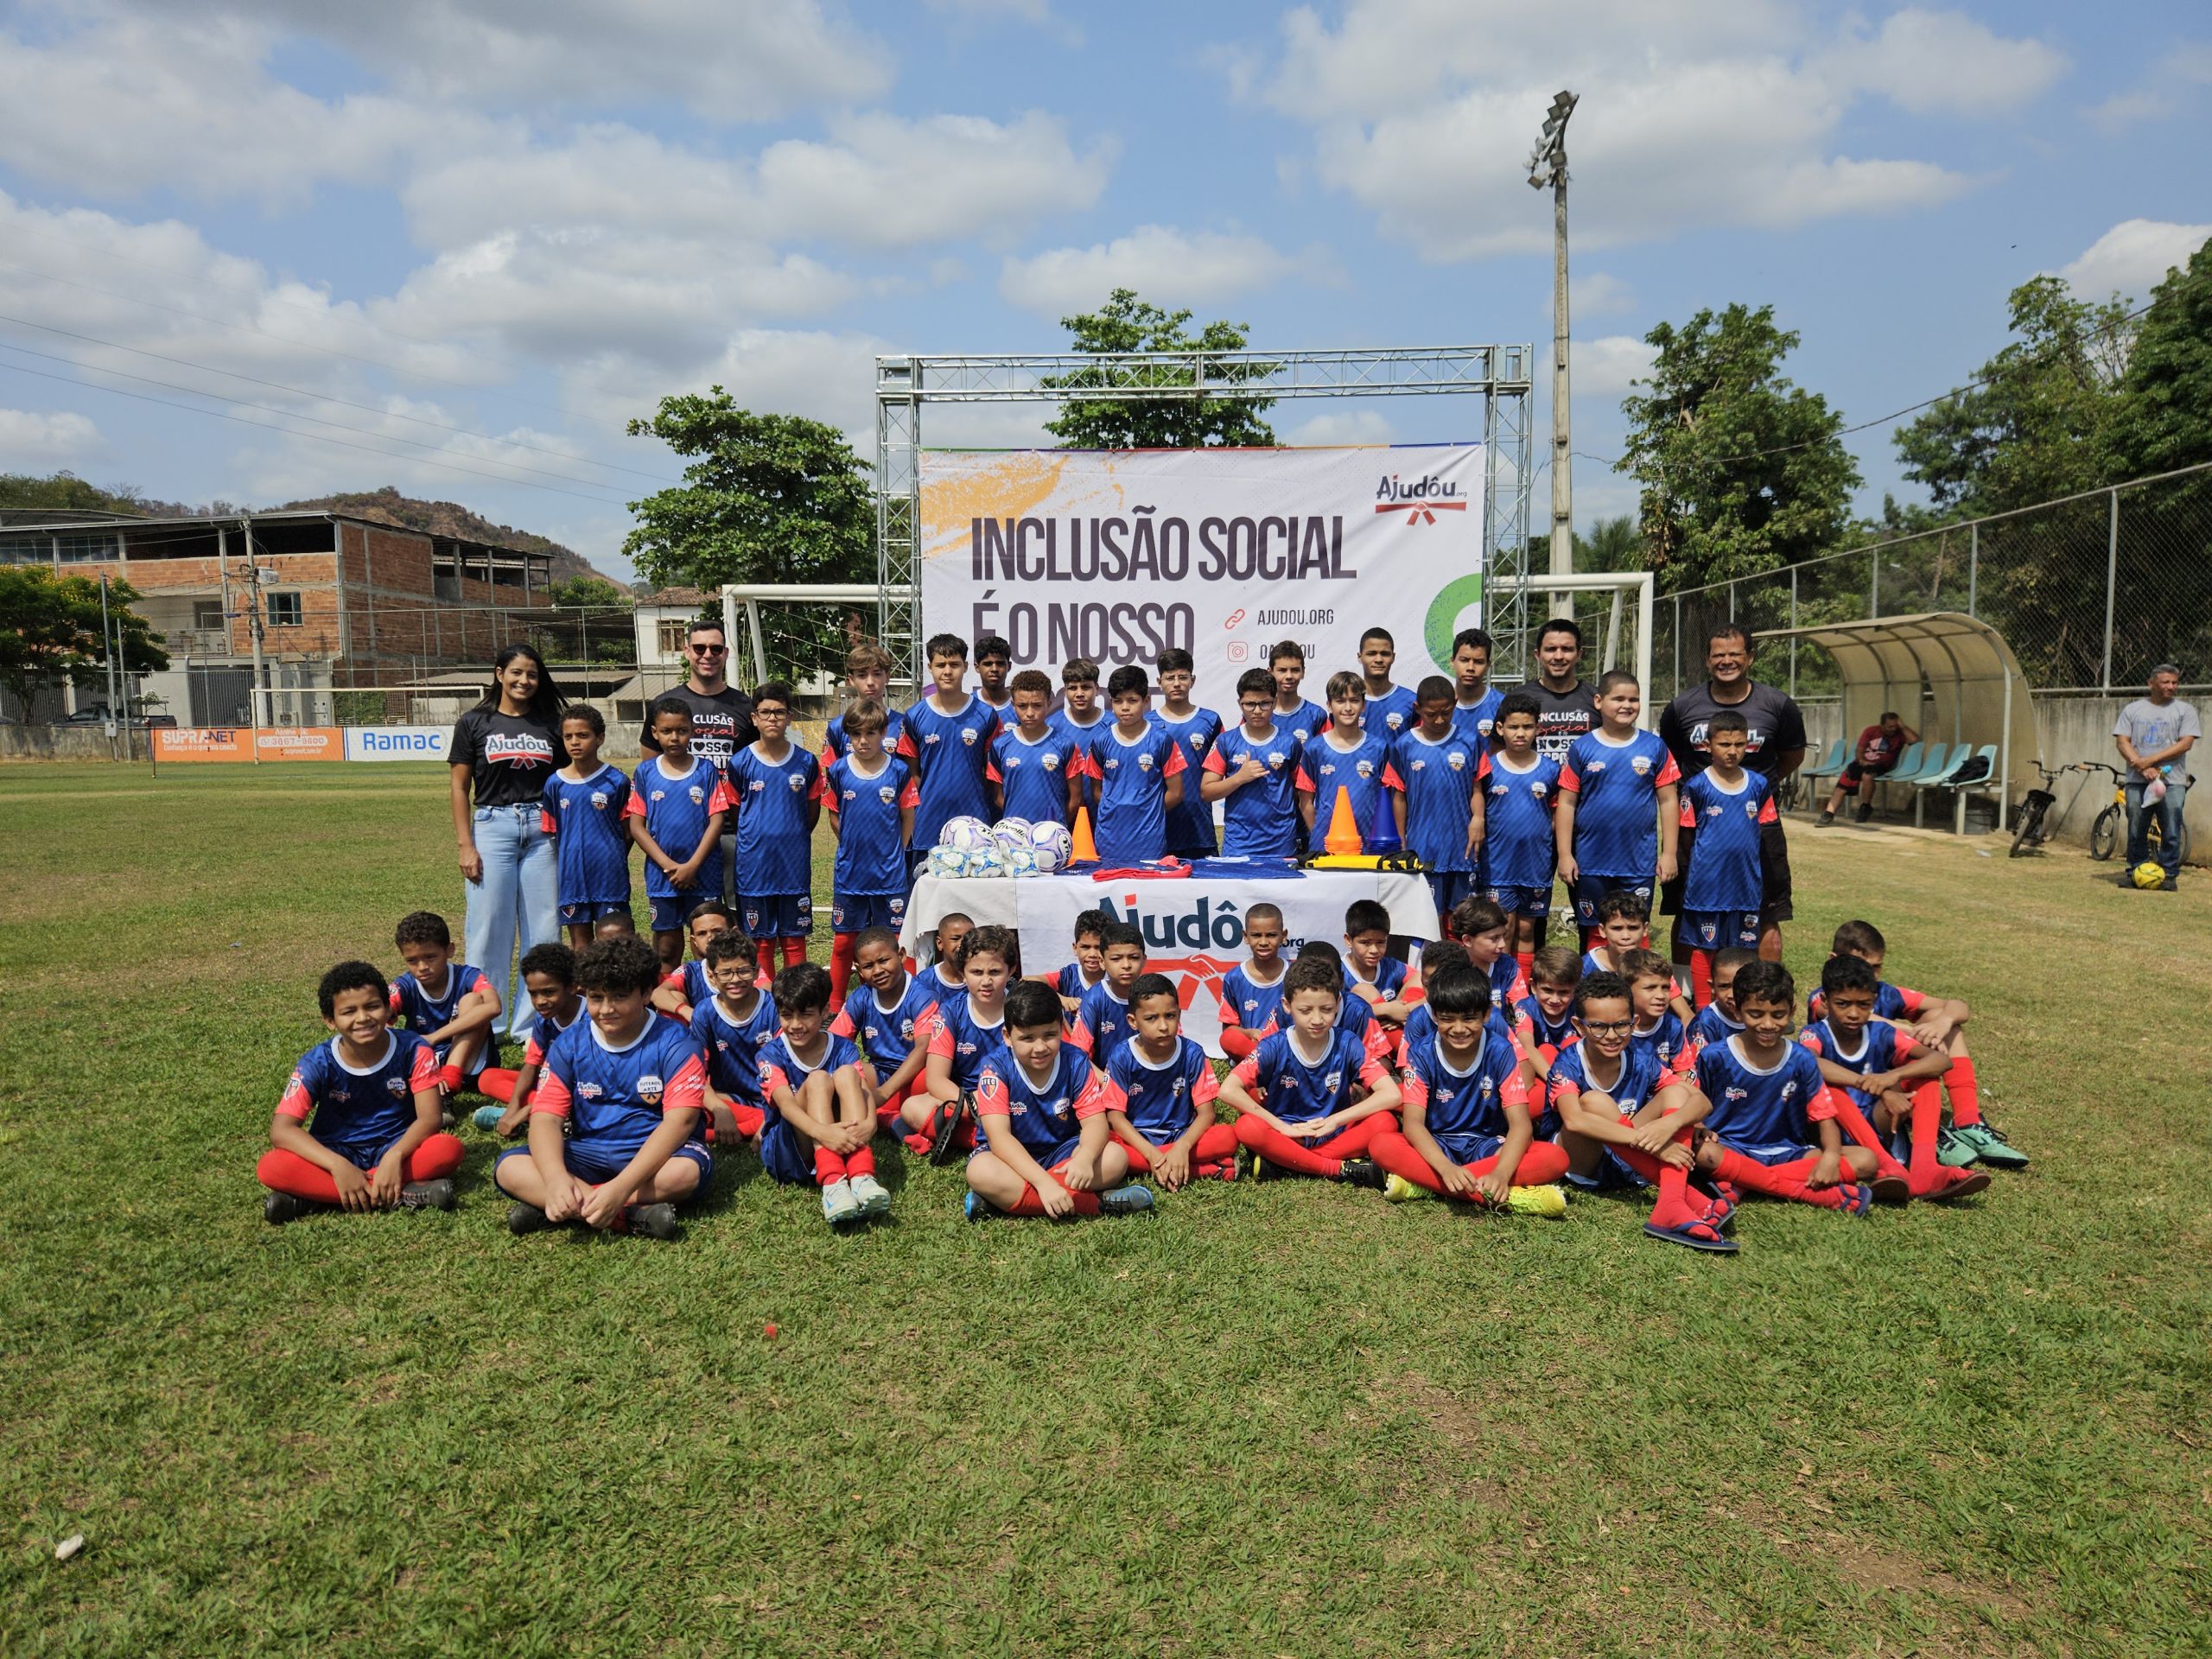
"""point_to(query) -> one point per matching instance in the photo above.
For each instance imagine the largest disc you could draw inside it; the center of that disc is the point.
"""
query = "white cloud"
(1598, 295)
(2124, 110)
(30, 437)
(2133, 258)
(1944, 62)
(1167, 266)
(1603, 367)
(1338, 427)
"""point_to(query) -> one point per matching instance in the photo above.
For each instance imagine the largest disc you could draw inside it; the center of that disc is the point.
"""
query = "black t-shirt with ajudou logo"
(1775, 724)
(509, 757)
(1561, 716)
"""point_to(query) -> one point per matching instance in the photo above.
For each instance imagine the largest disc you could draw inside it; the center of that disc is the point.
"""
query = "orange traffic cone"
(1086, 849)
(1343, 839)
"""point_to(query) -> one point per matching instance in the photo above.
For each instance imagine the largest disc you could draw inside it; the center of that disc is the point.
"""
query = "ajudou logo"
(1421, 499)
(523, 749)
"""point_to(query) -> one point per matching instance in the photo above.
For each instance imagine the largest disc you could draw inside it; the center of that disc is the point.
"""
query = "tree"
(1126, 325)
(2164, 418)
(50, 626)
(2035, 424)
(1742, 472)
(767, 498)
(587, 592)
(1611, 544)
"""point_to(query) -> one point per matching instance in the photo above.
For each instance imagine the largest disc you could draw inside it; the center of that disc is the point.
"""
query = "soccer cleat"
(873, 1199)
(1953, 1150)
(487, 1118)
(1362, 1171)
(281, 1207)
(526, 1218)
(975, 1207)
(426, 1195)
(1989, 1146)
(1546, 1201)
(1399, 1190)
(838, 1204)
(1260, 1168)
(1958, 1184)
(1824, 820)
(944, 1127)
(1891, 1189)
(1131, 1200)
(653, 1220)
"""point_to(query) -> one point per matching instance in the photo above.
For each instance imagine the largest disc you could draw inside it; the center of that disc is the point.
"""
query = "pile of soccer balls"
(1010, 846)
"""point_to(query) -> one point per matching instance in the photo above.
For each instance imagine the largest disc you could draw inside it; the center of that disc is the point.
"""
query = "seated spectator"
(1878, 749)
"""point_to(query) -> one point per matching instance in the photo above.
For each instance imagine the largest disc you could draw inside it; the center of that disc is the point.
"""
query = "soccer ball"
(2147, 874)
(1021, 860)
(986, 861)
(947, 861)
(1011, 833)
(969, 835)
(1052, 847)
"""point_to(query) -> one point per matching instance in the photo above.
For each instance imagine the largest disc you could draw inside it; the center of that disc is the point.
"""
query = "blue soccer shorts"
(1589, 889)
(851, 912)
(776, 916)
(1720, 930)
(1535, 903)
(1448, 888)
(592, 909)
(598, 1165)
(670, 914)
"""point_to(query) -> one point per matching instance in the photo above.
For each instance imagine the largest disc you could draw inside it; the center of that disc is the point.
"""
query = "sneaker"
(1398, 1190)
(1547, 1200)
(426, 1195)
(873, 1199)
(1363, 1171)
(975, 1207)
(653, 1220)
(487, 1118)
(944, 1127)
(1955, 1151)
(1259, 1168)
(1958, 1184)
(838, 1204)
(526, 1218)
(1824, 820)
(1866, 811)
(1989, 1146)
(2169, 885)
(281, 1207)
(1131, 1200)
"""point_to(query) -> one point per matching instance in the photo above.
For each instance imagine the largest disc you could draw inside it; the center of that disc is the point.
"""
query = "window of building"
(207, 614)
(283, 610)
(85, 549)
(672, 636)
(25, 550)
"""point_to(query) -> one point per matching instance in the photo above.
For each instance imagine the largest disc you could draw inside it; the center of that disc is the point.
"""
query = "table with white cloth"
(1194, 926)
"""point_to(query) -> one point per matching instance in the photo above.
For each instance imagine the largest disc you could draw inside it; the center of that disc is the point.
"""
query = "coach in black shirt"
(722, 717)
(1776, 749)
(1567, 707)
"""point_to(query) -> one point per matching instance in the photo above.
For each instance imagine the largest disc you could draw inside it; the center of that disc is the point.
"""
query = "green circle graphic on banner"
(1444, 616)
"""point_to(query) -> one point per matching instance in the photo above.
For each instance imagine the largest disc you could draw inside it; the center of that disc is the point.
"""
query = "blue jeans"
(2168, 812)
(517, 902)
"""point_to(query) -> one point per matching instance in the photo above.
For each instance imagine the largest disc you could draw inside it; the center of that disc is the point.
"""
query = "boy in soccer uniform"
(1388, 708)
(1388, 986)
(689, 987)
(994, 658)
(448, 1004)
(944, 978)
(1482, 927)
(969, 1027)
(1345, 757)
(1888, 1078)
(1716, 1021)
(820, 1116)
(1474, 699)
(1615, 787)
(1045, 1147)
(867, 677)
(1620, 1118)
(1081, 720)
(1516, 791)
(677, 805)
(732, 1021)
(584, 807)
(1436, 768)
(1195, 732)
(357, 1126)
(1661, 1016)
(1164, 1118)
(1303, 719)
(1623, 925)
(1467, 1133)
(1136, 773)
(1544, 1019)
(1311, 1099)
(1103, 1020)
(1725, 812)
(1935, 1022)
(779, 790)
(1035, 768)
(549, 974)
(871, 797)
(1251, 992)
(1077, 977)
(889, 1015)
(1354, 1017)
(1252, 769)
(946, 739)
(627, 1087)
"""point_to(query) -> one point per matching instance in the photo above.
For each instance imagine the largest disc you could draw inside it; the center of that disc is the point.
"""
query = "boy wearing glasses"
(1254, 769)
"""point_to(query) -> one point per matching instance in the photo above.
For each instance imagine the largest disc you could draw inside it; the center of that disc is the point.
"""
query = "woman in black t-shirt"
(503, 750)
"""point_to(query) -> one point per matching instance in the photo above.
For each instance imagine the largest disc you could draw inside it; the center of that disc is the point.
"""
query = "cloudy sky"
(454, 246)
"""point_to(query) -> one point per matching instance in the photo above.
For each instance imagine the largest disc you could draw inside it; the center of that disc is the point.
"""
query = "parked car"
(85, 717)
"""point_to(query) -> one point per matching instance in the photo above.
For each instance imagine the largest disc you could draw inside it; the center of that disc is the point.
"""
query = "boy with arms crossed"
(820, 1116)
(449, 1005)
(1164, 1117)
(1252, 768)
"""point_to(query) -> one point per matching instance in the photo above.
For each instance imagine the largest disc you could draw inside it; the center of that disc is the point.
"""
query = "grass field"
(1287, 1420)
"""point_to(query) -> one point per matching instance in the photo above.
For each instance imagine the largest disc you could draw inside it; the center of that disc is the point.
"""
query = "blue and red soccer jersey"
(1891, 1002)
(1353, 1016)
(871, 847)
(544, 1028)
(1464, 1110)
(614, 1098)
(675, 807)
(782, 1067)
(1258, 819)
(1389, 979)
(1711, 1025)
(1543, 1031)
(1725, 873)
(1667, 1039)
(1033, 778)
(1766, 1115)
(1161, 1100)
(1631, 1090)
(1518, 848)
(1046, 1117)
(591, 844)
(1438, 780)
(1069, 981)
(1616, 793)
(1129, 777)
(775, 852)
(359, 1114)
(1081, 737)
(1295, 1089)
(1189, 826)
(1306, 722)
(1391, 715)
(887, 1036)
(1102, 1023)
(422, 1010)
(951, 756)
(732, 1046)
(1881, 1047)
(1473, 721)
(1362, 771)
(1248, 1003)
(834, 746)
(966, 1042)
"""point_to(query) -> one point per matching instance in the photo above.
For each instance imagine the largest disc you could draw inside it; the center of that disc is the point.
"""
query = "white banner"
(1118, 554)
(397, 742)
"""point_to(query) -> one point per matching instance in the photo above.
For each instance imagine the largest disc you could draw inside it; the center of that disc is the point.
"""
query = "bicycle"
(2110, 825)
(2034, 807)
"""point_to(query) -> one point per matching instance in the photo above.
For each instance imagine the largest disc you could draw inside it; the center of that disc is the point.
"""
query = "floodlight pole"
(1547, 165)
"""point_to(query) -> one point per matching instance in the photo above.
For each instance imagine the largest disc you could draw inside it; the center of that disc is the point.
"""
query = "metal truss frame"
(1500, 375)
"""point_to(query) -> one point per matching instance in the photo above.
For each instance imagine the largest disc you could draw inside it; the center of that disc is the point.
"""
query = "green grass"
(1287, 1420)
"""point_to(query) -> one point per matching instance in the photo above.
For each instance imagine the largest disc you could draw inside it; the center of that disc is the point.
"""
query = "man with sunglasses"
(721, 719)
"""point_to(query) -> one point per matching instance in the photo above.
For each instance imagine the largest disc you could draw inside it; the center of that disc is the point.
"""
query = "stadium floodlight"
(1547, 166)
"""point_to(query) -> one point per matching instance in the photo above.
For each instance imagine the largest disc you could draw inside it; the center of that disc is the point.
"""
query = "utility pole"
(254, 615)
(107, 650)
(1547, 166)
